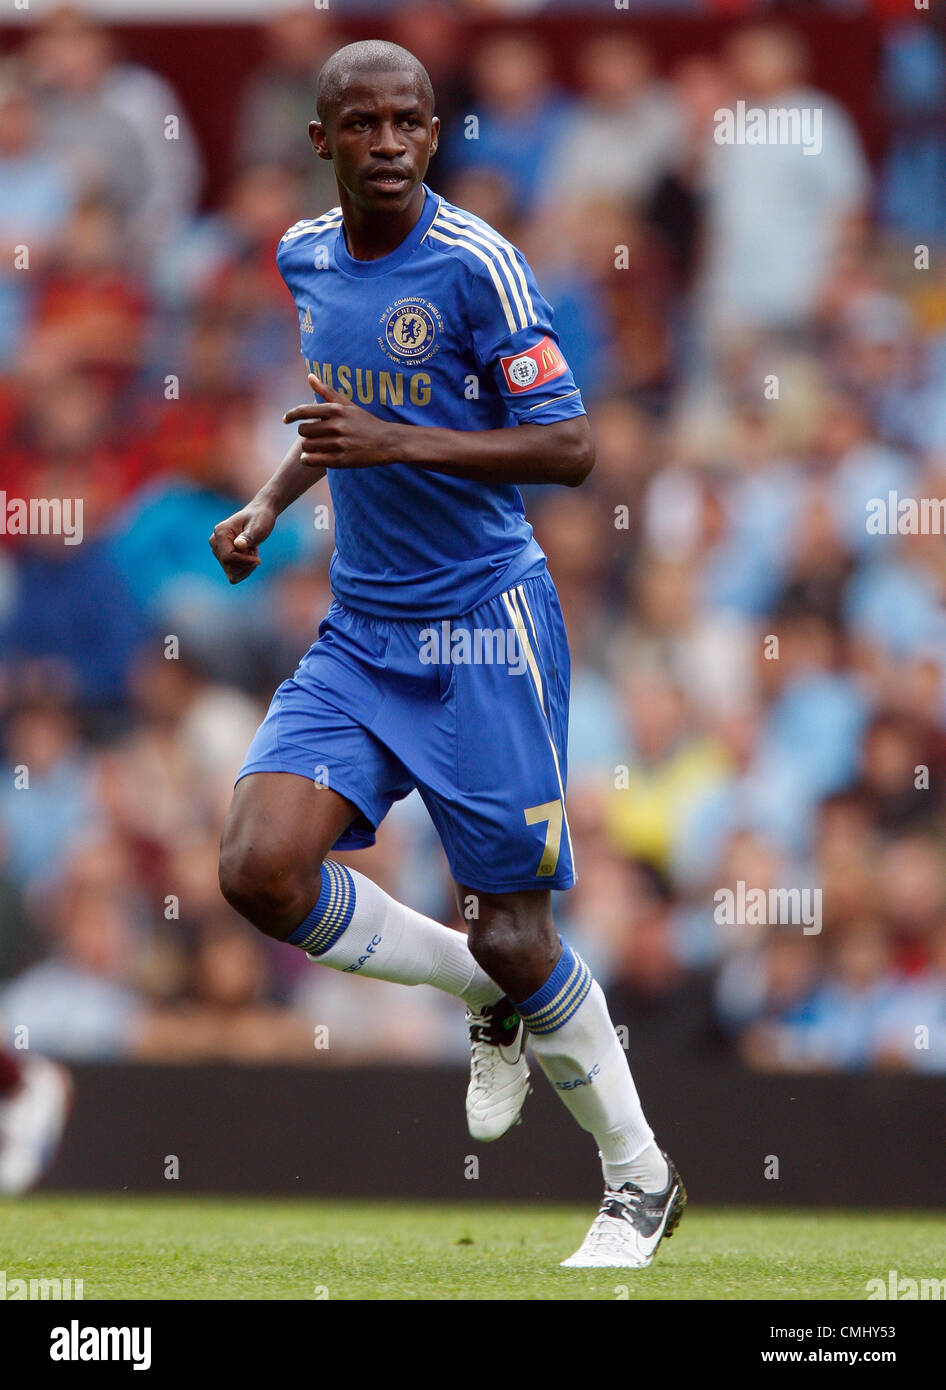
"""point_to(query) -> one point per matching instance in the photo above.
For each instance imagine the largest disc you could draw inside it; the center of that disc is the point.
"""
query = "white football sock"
(357, 928)
(575, 1044)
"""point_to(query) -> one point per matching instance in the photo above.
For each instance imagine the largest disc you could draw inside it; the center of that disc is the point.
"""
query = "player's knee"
(494, 943)
(264, 888)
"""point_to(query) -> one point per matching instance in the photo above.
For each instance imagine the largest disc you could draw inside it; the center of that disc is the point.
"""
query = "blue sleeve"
(283, 261)
(515, 343)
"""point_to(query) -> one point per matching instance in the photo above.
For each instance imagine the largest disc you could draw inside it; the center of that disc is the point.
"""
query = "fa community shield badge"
(411, 330)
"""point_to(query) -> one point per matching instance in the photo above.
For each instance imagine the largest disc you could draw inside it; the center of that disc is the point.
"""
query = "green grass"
(232, 1248)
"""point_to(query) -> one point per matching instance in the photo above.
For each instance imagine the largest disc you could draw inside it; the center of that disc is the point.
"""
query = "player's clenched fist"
(236, 541)
(336, 433)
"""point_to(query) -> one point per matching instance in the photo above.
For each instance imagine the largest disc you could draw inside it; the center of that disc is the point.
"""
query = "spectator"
(279, 102)
(776, 216)
(914, 96)
(80, 1003)
(625, 134)
(36, 197)
(111, 122)
(517, 114)
(47, 800)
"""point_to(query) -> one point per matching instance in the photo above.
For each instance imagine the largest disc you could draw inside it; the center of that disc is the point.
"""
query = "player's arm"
(336, 433)
(562, 452)
(236, 541)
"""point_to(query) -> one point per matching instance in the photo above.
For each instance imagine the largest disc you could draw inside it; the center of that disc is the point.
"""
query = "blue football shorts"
(472, 711)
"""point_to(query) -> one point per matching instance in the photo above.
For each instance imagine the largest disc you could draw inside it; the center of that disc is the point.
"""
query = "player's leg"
(513, 937)
(508, 842)
(571, 1035)
(277, 833)
(317, 776)
(276, 871)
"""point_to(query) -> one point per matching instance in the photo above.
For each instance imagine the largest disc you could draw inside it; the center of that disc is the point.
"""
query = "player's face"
(380, 138)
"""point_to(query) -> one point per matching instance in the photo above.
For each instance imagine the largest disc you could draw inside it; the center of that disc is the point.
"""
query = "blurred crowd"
(759, 676)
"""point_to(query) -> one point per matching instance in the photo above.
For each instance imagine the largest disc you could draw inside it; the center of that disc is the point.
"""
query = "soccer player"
(442, 663)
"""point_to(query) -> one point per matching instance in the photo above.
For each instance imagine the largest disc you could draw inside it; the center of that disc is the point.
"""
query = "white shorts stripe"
(512, 607)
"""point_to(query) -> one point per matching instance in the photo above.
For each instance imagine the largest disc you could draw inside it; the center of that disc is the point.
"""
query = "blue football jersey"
(450, 330)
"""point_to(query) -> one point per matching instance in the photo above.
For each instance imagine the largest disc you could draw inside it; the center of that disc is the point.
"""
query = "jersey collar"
(395, 258)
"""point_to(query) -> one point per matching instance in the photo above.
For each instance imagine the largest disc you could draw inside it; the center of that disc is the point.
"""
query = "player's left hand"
(336, 433)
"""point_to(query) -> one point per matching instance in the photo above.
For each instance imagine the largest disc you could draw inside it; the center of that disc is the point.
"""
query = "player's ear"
(434, 134)
(319, 139)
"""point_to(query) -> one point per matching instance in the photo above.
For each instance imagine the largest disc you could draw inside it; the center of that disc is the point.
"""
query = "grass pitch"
(244, 1248)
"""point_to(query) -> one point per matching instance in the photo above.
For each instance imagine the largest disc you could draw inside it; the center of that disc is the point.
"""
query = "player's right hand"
(236, 541)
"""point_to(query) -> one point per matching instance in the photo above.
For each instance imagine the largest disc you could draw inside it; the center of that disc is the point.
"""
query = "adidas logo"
(307, 324)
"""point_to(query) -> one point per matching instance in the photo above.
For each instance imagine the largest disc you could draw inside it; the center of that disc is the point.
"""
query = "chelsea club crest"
(411, 328)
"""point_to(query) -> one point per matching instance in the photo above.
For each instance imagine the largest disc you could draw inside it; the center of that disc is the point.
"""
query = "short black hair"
(369, 55)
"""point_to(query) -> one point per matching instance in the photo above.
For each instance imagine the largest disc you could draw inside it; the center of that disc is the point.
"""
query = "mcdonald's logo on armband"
(526, 370)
